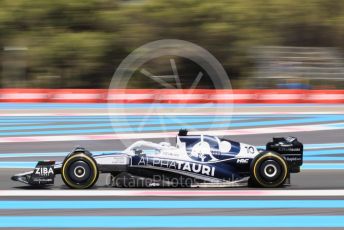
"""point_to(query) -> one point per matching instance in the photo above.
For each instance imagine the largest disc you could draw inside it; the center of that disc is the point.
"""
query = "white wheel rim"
(76, 171)
(266, 170)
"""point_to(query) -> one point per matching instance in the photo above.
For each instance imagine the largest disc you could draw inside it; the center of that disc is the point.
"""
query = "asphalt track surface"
(310, 179)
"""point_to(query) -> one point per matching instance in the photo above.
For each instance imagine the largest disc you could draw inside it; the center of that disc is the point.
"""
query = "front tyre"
(79, 171)
(269, 170)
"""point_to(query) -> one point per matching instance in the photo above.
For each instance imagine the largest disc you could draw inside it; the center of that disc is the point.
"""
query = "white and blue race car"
(195, 161)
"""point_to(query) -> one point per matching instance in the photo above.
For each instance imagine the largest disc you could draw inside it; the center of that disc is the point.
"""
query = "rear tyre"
(268, 170)
(79, 171)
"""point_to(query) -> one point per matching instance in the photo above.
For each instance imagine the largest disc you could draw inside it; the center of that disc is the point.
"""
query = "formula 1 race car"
(195, 161)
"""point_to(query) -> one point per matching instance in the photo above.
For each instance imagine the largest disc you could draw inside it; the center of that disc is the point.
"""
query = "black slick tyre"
(268, 170)
(79, 171)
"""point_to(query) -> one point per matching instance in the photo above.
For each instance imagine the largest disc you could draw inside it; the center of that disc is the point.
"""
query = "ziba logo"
(44, 171)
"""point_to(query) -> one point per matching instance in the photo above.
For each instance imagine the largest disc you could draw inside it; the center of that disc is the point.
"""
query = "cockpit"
(205, 147)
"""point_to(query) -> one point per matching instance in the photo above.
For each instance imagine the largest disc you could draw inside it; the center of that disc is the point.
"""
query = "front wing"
(42, 174)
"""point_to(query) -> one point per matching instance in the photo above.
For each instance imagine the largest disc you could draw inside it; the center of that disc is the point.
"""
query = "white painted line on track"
(199, 113)
(149, 135)
(171, 193)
